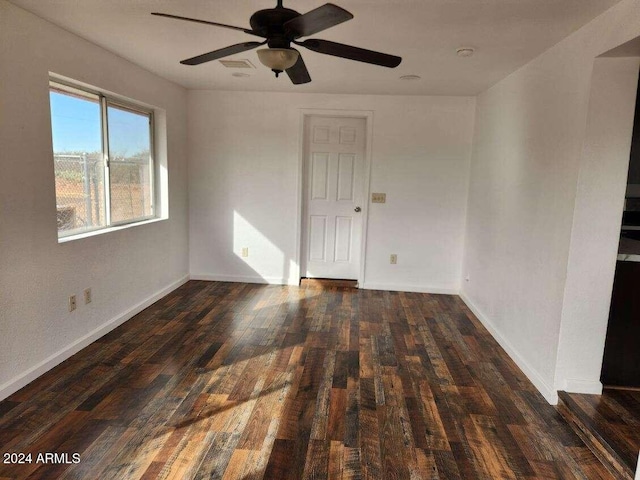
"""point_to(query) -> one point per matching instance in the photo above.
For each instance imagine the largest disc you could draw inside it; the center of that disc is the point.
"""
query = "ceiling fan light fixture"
(278, 59)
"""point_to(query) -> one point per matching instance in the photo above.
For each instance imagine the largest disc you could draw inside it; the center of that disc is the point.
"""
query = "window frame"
(106, 100)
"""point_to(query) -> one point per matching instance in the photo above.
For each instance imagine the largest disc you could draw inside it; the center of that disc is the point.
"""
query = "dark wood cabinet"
(621, 365)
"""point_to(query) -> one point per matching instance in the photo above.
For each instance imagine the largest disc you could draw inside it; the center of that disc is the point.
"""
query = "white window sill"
(101, 231)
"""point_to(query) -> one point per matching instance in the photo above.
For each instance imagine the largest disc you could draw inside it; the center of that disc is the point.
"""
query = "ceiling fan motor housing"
(269, 23)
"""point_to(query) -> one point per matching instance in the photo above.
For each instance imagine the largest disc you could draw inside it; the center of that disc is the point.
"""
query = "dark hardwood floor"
(610, 423)
(236, 381)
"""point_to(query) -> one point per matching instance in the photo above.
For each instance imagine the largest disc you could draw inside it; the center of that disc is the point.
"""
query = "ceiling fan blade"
(352, 53)
(321, 18)
(223, 52)
(299, 73)
(216, 24)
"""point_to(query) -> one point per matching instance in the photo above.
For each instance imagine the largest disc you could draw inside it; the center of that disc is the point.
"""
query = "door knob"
(357, 209)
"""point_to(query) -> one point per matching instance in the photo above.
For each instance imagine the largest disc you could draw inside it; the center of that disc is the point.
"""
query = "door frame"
(305, 113)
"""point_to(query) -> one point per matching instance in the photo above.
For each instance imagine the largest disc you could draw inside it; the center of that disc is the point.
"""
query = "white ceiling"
(425, 33)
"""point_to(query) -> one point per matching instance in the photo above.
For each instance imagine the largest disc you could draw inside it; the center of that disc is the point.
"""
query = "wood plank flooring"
(236, 381)
(610, 423)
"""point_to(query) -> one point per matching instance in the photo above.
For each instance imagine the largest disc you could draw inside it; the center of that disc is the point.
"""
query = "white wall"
(527, 156)
(243, 185)
(125, 269)
(604, 164)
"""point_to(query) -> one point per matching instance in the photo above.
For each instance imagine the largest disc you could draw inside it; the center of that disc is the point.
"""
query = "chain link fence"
(81, 195)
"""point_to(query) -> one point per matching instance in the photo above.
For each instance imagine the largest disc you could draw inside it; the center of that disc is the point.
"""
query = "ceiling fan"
(280, 27)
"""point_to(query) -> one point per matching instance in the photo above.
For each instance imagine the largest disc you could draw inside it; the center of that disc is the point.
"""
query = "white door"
(333, 197)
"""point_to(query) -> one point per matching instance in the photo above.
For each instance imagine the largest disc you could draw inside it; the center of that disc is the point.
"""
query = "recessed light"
(410, 77)
(240, 75)
(465, 51)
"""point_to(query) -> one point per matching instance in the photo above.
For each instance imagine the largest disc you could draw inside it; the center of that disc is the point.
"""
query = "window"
(103, 160)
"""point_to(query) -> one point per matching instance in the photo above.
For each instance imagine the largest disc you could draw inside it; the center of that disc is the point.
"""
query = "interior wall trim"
(24, 378)
(532, 374)
(398, 287)
(573, 385)
(245, 279)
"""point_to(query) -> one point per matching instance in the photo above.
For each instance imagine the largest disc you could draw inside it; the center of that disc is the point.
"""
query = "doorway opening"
(621, 361)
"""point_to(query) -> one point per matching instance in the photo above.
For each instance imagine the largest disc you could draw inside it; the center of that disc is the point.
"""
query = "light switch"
(378, 198)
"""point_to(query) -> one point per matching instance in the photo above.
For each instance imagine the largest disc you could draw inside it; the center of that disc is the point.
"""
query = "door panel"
(318, 238)
(333, 188)
(348, 135)
(345, 176)
(343, 239)
(319, 176)
(321, 134)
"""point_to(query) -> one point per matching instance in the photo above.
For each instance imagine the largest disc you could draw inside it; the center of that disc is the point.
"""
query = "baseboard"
(398, 287)
(60, 356)
(532, 374)
(448, 290)
(243, 279)
(582, 386)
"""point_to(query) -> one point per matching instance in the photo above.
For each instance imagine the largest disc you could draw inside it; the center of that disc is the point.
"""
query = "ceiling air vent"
(237, 63)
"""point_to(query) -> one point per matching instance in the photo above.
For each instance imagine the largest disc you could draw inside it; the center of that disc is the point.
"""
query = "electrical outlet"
(72, 303)
(87, 296)
(245, 251)
(378, 198)
(393, 259)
